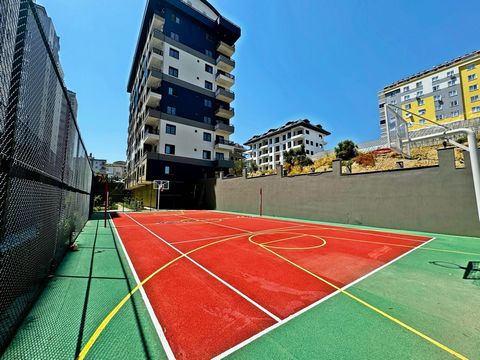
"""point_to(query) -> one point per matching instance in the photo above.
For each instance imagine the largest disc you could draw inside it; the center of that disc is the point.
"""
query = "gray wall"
(436, 199)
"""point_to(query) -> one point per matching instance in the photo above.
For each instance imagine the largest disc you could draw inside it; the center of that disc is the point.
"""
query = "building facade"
(266, 150)
(99, 166)
(448, 94)
(117, 169)
(180, 99)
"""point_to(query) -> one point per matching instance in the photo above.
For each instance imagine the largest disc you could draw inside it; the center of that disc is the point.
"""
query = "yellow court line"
(91, 341)
(368, 305)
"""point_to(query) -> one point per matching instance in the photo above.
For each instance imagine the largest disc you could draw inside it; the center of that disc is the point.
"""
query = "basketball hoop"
(160, 186)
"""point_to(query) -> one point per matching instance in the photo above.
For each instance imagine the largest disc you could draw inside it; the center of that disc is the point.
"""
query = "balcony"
(226, 49)
(224, 128)
(153, 97)
(225, 64)
(225, 112)
(223, 164)
(153, 117)
(222, 144)
(225, 80)
(155, 59)
(224, 95)
(154, 78)
(151, 137)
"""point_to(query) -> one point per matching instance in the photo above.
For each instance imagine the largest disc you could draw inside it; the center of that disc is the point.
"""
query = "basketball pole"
(473, 152)
(158, 197)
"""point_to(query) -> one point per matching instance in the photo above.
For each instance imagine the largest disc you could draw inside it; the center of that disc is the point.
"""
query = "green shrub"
(346, 150)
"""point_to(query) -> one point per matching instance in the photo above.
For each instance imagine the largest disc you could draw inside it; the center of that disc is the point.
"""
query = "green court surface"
(425, 289)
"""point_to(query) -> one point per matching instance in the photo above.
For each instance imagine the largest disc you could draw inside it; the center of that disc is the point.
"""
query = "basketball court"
(216, 282)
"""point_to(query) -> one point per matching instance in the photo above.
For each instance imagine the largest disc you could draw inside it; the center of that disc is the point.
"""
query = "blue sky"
(316, 59)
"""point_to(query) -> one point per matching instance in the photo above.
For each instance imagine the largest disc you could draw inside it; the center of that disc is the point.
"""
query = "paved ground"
(425, 289)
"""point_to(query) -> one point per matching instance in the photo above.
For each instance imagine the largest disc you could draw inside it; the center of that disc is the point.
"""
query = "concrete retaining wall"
(436, 199)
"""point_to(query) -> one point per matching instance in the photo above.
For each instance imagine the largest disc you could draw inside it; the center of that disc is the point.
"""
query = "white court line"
(151, 312)
(300, 312)
(257, 305)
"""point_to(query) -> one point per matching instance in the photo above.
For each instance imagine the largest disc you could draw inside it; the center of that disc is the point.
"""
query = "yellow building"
(448, 94)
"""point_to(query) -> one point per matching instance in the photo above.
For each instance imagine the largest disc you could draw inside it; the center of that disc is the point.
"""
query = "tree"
(297, 157)
(238, 166)
(252, 166)
(346, 150)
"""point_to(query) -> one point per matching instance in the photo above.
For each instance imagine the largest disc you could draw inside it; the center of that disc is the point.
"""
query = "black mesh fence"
(45, 175)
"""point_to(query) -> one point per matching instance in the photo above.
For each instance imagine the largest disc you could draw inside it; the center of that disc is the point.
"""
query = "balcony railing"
(225, 112)
(224, 142)
(224, 95)
(225, 64)
(228, 75)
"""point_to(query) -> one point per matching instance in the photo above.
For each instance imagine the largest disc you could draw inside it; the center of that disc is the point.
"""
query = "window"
(472, 77)
(470, 66)
(406, 97)
(270, 141)
(438, 107)
(174, 53)
(419, 93)
(393, 102)
(453, 93)
(207, 155)
(209, 68)
(207, 120)
(422, 121)
(284, 147)
(169, 149)
(174, 36)
(167, 170)
(307, 132)
(171, 110)
(207, 103)
(277, 140)
(408, 106)
(421, 102)
(284, 137)
(171, 129)
(406, 88)
(172, 91)
(208, 85)
(454, 103)
(308, 142)
(436, 88)
(422, 111)
(316, 144)
(455, 113)
(473, 87)
(289, 135)
(435, 78)
(175, 19)
(418, 84)
(439, 117)
(451, 82)
(474, 98)
(475, 109)
(220, 156)
(209, 53)
(207, 137)
(277, 148)
(437, 97)
(173, 72)
(450, 73)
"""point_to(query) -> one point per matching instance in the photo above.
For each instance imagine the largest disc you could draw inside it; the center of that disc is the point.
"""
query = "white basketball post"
(404, 139)
(160, 185)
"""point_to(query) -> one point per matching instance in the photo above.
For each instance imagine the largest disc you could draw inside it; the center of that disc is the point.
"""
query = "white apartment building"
(266, 150)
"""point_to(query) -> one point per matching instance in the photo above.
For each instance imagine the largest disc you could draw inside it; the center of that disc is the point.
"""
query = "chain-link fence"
(45, 175)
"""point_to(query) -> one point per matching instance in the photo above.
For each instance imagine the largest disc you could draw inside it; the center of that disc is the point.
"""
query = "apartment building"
(266, 150)
(180, 99)
(448, 93)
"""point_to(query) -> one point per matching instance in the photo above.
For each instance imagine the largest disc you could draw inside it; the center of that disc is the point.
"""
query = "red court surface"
(230, 277)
